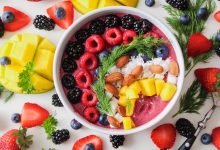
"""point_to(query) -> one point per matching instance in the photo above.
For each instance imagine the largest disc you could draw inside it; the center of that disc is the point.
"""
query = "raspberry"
(91, 114)
(152, 34)
(83, 78)
(95, 44)
(88, 61)
(113, 36)
(128, 36)
(89, 98)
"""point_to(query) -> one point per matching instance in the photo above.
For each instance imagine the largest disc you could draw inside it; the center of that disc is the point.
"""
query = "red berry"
(88, 61)
(8, 141)
(91, 114)
(153, 34)
(216, 137)
(113, 36)
(89, 98)
(95, 44)
(128, 36)
(217, 16)
(83, 78)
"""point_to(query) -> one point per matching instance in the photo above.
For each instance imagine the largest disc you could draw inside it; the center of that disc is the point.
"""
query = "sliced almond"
(114, 122)
(157, 69)
(128, 80)
(122, 61)
(114, 77)
(174, 68)
(111, 89)
(137, 71)
(121, 110)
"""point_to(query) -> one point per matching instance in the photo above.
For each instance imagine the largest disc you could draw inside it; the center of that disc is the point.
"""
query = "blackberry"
(82, 35)
(142, 26)
(69, 65)
(112, 21)
(42, 22)
(117, 140)
(56, 101)
(217, 50)
(74, 95)
(2, 29)
(179, 4)
(127, 21)
(185, 128)
(68, 81)
(97, 27)
(75, 50)
(60, 136)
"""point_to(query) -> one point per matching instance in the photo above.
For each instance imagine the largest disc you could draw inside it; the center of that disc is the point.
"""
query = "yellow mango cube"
(12, 86)
(131, 93)
(130, 107)
(6, 49)
(12, 72)
(168, 91)
(128, 123)
(131, 3)
(47, 45)
(2, 71)
(123, 90)
(16, 38)
(105, 3)
(122, 101)
(136, 86)
(148, 86)
(159, 83)
(85, 6)
(31, 38)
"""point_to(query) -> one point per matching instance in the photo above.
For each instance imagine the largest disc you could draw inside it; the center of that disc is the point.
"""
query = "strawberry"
(62, 14)
(209, 78)
(198, 44)
(95, 140)
(164, 136)
(217, 16)
(20, 19)
(33, 115)
(8, 141)
(216, 137)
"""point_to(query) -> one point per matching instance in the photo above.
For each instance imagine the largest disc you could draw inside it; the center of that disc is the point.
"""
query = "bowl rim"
(100, 12)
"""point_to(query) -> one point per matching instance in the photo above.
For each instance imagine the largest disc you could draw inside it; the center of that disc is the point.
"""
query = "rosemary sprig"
(49, 126)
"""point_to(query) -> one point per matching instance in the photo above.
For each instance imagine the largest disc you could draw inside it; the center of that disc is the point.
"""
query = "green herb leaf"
(49, 149)
(49, 126)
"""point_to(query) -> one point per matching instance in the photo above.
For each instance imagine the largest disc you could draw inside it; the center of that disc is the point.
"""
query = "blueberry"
(162, 51)
(103, 120)
(185, 19)
(103, 54)
(150, 3)
(5, 61)
(16, 118)
(203, 13)
(60, 13)
(206, 139)
(145, 58)
(89, 146)
(133, 53)
(217, 38)
(8, 17)
(75, 124)
(97, 72)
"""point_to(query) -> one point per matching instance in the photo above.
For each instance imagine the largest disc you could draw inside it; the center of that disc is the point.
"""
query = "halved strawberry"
(33, 115)
(20, 19)
(198, 44)
(209, 78)
(216, 137)
(164, 136)
(217, 16)
(8, 141)
(67, 19)
(93, 139)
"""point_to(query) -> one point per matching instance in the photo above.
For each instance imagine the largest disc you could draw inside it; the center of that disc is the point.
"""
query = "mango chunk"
(2, 71)
(6, 49)
(128, 123)
(136, 86)
(122, 101)
(47, 45)
(148, 86)
(31, 39)
(130, 107)
(105, 3)
(16, 38)
(131, 3)
(131, 94)
(13, 86)
(85, 6)
(12, 72)
(123, 90)
(159, 83)
(168, 91)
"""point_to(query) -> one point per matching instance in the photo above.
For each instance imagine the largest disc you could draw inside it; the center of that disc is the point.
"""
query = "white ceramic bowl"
(87, 18)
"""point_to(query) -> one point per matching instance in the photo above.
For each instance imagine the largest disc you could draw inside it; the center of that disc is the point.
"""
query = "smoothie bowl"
(118, 70)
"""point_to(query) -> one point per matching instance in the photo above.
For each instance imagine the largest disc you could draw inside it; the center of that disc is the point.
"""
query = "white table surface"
(138, 141)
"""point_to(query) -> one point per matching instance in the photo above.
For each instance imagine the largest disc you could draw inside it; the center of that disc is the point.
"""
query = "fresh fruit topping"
(2, 29)
(76, 125)
(156, 69)
(91, 139)
(91, 114)
(168, 91)
(74, 95)
(89, 146)
(89, 98)
(60, 136)
(206, 139)
(150, 3)
(113, 36)
(16, 118)
(69, 65)
(122, 61)
(185, 128)
(33, 115)
(184, 19)
(82, 35)
(88, 61)
(128, 123)
(5, 61)
(20, 19)
(198, 44)
(127, 21)
(159, 84)
(103, 120)
(162, 51)
(8, 140)
(152, 34)
(114, 77)
(128, 36)
(123, 90)
(217, 37)
(203, 13)
(136, 86)
(103, 54)
(216, 137)
(117, 140)
(142, 26)
(148, 86)
(95, 44)
(56, 101)
(75, 50)
(97, 27)
(42, 22)
(96, 72)
(179, 4)
(111, 89)
(130, 107)
(217, 16)
(68, 81)
(112, 21)
(62, 14)
(209, 78)
(174, 68)
(160, 136)
(113, 122)
(8, 17)
(217, 51)
(83, 78)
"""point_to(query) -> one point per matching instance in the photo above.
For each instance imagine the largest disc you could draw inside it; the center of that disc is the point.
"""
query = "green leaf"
(23, 140)
(50, 125)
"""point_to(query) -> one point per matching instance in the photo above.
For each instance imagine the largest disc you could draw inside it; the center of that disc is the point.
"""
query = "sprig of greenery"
(5, 94)
(23, 140)
(49, 149)
(50, 125)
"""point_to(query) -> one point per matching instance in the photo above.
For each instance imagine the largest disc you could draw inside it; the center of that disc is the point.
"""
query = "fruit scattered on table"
(150, 3)
(217, 16)
(203, 13)
(76, 125)
(60, 136)
(8, 140)
(216, 137)
(42, 22)
(16, 118)
(56, 101)
(217, 37)
(162, 51)
(185, 19)
(185, 128)
(206, 138)
(179, 4)
(117, 140)
(8, 17)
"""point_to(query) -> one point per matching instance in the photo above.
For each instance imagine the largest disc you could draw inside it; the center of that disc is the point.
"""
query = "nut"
(114, 122)
(121, 110)
(122, 61)
(128, 80)
(111, 89)
(174, 68)
(137, 71)
(114, 77)
(157, 69)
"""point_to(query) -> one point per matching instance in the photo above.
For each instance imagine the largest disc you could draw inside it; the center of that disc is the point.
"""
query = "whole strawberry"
(8, 140)
(216, 137)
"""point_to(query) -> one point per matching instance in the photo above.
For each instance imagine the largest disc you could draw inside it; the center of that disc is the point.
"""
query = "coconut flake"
(159, 76)
(171, 78)
(118, 117)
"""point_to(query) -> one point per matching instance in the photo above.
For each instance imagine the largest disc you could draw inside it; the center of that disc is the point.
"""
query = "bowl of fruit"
(118, 70)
